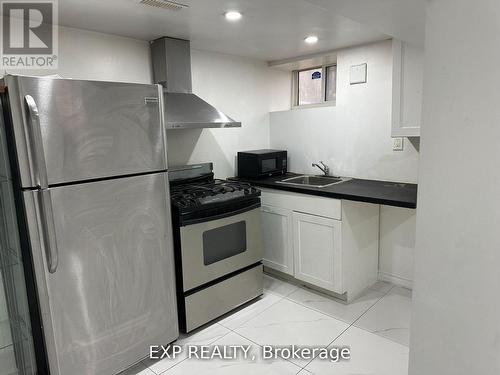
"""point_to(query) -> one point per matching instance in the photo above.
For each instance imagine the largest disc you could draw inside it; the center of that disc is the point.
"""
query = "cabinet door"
(317, 248)
(407, 81)
(277, 234)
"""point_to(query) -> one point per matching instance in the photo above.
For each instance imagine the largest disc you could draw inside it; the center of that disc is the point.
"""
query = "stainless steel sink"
(314, 181)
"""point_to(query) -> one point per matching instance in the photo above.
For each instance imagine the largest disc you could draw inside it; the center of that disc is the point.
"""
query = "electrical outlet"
(397, 144)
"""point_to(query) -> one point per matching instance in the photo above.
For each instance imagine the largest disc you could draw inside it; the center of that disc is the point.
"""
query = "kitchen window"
(315, 86)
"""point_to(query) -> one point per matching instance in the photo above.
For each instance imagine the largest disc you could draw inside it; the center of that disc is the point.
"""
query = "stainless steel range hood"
(183, 109)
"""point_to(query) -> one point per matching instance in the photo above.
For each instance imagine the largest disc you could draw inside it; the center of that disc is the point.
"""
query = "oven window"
(268, 165)
(224, 242)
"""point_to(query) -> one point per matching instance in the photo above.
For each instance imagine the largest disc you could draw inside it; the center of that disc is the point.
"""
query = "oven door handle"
(221, 216)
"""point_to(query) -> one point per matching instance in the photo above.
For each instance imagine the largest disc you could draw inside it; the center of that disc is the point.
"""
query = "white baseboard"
(396, 280)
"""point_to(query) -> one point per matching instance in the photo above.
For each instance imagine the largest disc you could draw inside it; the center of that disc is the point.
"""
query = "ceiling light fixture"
(311, 39)
(233, 15)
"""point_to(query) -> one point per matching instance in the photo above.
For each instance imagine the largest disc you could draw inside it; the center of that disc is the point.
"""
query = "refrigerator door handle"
(48, 230)
(35, 136)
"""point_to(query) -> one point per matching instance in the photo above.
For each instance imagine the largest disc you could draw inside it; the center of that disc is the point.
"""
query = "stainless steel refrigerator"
(87, 167)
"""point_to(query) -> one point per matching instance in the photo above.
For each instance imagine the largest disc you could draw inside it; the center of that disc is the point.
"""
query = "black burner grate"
(199, 194)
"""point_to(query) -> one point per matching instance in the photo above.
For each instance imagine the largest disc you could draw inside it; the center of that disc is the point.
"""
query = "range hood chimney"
(183, 109)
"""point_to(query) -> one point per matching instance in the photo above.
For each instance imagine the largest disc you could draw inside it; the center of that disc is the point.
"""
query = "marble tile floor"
(375, 327)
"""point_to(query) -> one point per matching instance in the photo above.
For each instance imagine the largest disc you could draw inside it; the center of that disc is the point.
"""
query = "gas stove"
(196, 195)
(217, 244)
(199, 195)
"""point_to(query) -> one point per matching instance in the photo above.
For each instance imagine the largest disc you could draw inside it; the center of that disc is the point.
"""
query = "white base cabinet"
(277, 238)
(317, 247)
(326, 243)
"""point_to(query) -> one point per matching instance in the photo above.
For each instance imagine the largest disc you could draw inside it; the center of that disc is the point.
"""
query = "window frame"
(324, 76)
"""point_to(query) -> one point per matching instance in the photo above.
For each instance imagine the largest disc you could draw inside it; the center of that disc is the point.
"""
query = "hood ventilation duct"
(183, 109)
(164, 4)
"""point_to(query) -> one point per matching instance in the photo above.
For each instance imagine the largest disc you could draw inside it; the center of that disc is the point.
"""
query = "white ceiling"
(403, 19)
(269, 30)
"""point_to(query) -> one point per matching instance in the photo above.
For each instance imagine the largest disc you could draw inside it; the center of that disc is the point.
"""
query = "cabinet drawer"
(218, 299)
(320, 206)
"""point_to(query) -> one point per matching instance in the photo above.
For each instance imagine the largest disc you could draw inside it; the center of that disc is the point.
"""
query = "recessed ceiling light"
(311, 39)
(233, 15)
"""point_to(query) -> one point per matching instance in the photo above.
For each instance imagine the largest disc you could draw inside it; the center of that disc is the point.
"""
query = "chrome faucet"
(323, 167)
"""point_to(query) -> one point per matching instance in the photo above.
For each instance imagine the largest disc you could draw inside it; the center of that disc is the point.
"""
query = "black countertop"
(370, 191)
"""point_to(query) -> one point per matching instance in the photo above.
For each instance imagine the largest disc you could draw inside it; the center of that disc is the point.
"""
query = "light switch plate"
(358, 74)
(397, 144)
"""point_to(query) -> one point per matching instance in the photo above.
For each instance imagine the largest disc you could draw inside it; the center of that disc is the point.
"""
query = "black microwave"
(261, 163)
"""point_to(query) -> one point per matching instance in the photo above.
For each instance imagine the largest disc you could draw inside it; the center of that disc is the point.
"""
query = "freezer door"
(85, 129)
(112, 294)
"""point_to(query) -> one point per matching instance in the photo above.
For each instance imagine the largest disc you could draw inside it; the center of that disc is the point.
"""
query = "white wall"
(96, 56)
(354, 139)
(247, 90)
(455, 326)
(243, 89)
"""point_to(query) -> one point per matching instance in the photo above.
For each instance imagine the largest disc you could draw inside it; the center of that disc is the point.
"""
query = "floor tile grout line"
(386, 292)
(390, 289)
(367, 312)
(287, 360)
(340, 334)
(214, 342)
(307, 307)
(332, 316)
(371, 307)
(351, 325)
(306, 371)
(296, 303)
(374, 333)
(320, 312)
(281, 297)
(333, 298)
(381, 336)
(286, 297)
(167, 370)
(256, 343)
(256, 315)
(284, 282)
(211, 342)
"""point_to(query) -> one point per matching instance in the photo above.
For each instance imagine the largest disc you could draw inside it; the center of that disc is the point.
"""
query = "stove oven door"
(219, 246)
